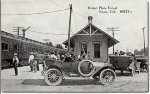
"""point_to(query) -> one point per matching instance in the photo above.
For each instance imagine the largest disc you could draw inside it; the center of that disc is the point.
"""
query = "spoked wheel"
(53, 77)
(107, 77)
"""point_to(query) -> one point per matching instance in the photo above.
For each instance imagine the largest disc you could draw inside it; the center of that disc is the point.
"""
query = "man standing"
(35, 65)
(58, 56)
(15, 63)
(31, 61)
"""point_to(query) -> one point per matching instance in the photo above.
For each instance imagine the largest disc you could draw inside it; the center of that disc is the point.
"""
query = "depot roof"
(111, 41)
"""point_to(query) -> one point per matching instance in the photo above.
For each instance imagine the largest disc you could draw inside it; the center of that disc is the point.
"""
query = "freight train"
(11, 44)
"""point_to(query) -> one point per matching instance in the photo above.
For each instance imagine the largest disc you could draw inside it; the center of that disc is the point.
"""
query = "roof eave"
(116, 41)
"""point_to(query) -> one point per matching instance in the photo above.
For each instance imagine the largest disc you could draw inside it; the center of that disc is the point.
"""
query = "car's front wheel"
(107, 77)
(53, 77)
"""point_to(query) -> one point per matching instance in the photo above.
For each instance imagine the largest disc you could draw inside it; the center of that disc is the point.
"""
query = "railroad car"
(11, 44)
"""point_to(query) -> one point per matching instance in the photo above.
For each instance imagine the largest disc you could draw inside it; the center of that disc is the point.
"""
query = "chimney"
(90, 19)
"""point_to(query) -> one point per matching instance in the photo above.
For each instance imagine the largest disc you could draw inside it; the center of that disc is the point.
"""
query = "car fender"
(57, 67)
(99, 69)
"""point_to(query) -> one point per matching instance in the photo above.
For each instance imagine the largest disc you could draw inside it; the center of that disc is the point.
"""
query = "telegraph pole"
(24, 31)
(144, 39)
(113, 29)
(69, 28)
(17, 29)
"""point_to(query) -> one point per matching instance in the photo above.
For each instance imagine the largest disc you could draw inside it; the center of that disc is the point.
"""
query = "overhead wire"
(64, 7)
(52, 12)
(48, 33)
(56, 4)
(74, 11)
(85, 17)
(38, 12)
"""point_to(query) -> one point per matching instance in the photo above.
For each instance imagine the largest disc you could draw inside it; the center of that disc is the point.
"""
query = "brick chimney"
(90, 19)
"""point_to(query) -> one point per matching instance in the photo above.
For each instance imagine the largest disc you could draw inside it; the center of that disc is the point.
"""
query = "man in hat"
(15, 63)
(58, 56)
(53, 56)
(31, 60)
(35, 65)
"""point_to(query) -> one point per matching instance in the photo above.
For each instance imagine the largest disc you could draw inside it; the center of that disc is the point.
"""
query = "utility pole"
(113, 29)
(69, 28)
(144, 39)
(24, 31)
(17, 29)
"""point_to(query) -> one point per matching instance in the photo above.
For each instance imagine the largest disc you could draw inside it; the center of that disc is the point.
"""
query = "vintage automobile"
(121, 63)
(128, 62)
(56, 71)
(144, 61)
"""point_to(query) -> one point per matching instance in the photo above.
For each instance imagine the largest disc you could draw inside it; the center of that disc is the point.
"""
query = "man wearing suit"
(15, 63)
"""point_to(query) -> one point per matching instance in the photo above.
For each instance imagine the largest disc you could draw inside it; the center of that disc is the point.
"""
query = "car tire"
(53, 77)
(107, 77)
(81, 73)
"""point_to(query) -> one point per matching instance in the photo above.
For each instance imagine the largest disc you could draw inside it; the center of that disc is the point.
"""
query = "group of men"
(34, 61)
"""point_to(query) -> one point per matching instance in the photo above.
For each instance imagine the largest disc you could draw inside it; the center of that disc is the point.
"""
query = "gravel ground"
(33, 82)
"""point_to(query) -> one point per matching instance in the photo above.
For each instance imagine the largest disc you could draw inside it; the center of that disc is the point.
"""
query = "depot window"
(83, 48)
(97, 50)
(5, 46)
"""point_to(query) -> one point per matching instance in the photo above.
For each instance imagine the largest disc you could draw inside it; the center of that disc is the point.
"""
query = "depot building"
(92, 40)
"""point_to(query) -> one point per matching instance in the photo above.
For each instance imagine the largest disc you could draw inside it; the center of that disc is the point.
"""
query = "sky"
(130, 34)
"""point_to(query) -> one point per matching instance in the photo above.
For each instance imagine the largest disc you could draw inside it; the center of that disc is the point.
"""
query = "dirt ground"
(34, 82)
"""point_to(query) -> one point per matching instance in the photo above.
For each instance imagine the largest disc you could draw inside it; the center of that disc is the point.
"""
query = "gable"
(83, 32)
(91, 30)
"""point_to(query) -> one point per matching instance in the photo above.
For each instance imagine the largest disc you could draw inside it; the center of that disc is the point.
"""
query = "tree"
(49, 44)
(59, 46)
(141, 52)
(135, 51)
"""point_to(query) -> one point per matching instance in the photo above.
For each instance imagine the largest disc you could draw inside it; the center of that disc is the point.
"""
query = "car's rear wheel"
(107, 77)
(53, 77)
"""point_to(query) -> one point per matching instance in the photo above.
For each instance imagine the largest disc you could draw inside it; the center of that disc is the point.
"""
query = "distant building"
(92, 40)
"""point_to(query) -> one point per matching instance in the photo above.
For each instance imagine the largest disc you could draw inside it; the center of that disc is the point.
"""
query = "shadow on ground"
(80, 82)
(127, 73)
(40, 82)
(124, 74)
(66, 82)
